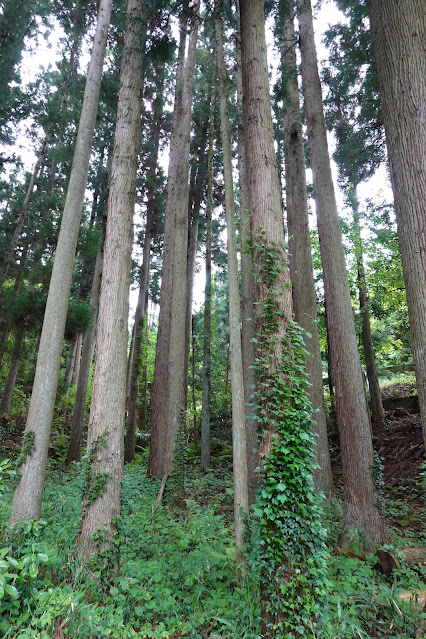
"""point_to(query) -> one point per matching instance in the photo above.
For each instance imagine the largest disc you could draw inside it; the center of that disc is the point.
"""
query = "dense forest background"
(242, 453)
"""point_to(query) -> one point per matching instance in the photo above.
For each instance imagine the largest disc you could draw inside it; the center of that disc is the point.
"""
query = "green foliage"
(291, 552)
(78, 317)
(360, 603)
(29, 601)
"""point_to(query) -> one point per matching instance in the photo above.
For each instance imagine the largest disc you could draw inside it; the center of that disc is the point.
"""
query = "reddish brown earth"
(398, 442)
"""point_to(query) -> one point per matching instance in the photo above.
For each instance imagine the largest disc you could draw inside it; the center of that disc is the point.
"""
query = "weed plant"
(177, 575)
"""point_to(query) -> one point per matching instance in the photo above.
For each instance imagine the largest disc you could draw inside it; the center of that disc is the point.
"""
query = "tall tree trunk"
(286, 502)
(190, 274)
(360, 500)
(398, 29)
(22, 214)
(76, 370)
(9, 386)
(377, 411)
(28, 494)
(74, 447)
(248, 332)
(168, 390)
(142, 386)
(106, 425)
(72, 352)
(239, 446)
(300, 258)
(207, 323)
(129, 443)
(194, 399)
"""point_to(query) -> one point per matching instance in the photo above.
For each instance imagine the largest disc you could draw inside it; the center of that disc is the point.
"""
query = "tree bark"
(360, 509)
(130, 440)
(28, 494)
(207, 324)
(69, 369)
(77, 423)
(377, 410)
(106, 425)
(398, 29)
(168, 393)
(77, 362)
(247, 288)
(265, 204)
(239, 446)
(300, 258)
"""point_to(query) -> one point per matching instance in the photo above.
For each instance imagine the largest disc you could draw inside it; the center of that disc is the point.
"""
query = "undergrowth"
(177, 574)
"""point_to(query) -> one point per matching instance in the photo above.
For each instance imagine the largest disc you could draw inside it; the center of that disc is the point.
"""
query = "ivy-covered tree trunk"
(286, 506)
(377, 410)
(207, 323)
(247, 288)
(77, 422)
(361, 515)
(239, 446)
(168, 392)
(28, 494)
(300, 258)
(398, 29)
(104, 462)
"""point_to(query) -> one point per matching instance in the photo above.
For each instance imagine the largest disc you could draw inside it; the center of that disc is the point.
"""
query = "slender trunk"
(22, 214)
(247, 288)
(169, 385)
(300, 258)
(398, 29)
(225, 402)
(28, 494)
(16, 289)
(377, 411)
(6, 399)
(190, 273)
(207, 324)
(5, 339)
(130, 365)
(239, 445)
(72, 352)
(77, 362)
(77, 423)
(360, 500)
(129, 446)
(194, 399)
(152, 224)
(101, 508)
(142, 415)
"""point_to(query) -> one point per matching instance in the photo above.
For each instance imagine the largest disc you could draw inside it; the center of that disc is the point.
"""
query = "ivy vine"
(288, 510)
(94, 483)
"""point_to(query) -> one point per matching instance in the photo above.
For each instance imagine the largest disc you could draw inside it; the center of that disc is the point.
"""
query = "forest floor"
(177, 575)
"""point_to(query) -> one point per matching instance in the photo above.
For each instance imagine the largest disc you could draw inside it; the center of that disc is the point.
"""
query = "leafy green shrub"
(361, 604)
